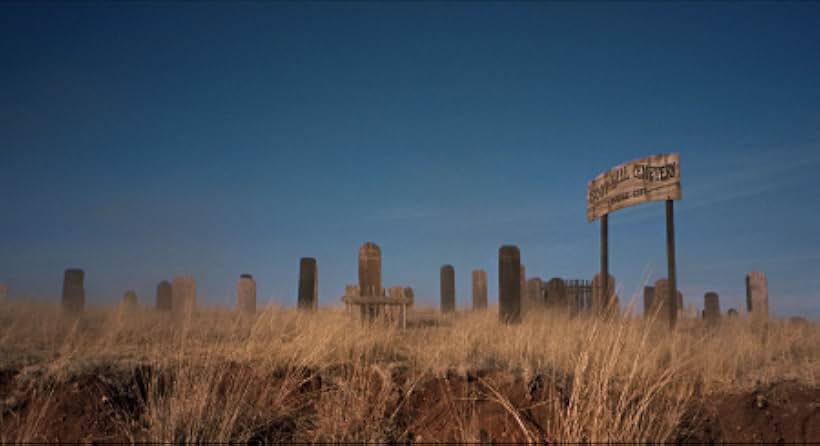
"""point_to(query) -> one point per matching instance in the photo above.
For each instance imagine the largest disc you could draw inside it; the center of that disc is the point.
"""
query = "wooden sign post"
(653, 178)
(605, 260)
(670, 262)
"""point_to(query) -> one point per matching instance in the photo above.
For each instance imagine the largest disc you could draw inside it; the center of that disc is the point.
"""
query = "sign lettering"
(652, 178)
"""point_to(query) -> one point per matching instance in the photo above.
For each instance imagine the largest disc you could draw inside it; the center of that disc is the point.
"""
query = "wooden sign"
(652, 178)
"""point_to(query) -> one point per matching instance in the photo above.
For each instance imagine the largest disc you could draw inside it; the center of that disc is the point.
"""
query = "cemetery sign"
(653, 178)
(647, 179)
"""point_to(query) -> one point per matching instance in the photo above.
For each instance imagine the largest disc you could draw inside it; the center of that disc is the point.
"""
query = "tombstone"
(129, 300)
(556, 295)
(73, 298)
(448, 289)
(648, 296)
(757, 296)
(711, 308)
(370, 277)
(370, 270)
(164, 296)
(479, 290)
(732, 313)
(183, 295)
(601, 300)
(4, 292)
(509, 284)
(246, 294)
(533, 294)
(308, 284)
(667, 311)
(408, 293)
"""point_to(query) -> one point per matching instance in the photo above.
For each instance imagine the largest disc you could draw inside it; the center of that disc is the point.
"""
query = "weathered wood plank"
(654, 178)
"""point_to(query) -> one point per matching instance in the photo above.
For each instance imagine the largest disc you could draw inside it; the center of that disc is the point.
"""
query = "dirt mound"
(81, 409)
(779, 413)
(485, 406)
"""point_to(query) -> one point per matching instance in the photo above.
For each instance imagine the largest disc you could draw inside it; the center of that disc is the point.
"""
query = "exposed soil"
(779, 413)
(105, 405)
(89, 407)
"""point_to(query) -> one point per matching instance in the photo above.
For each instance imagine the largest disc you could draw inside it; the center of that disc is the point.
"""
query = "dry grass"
(217, 375)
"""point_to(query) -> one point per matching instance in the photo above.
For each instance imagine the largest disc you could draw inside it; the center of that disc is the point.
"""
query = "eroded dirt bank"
(142, 403)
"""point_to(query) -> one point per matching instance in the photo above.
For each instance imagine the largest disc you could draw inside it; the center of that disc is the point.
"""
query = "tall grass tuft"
(286, 375)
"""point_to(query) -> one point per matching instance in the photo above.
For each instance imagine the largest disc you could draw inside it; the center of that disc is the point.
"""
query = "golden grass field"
(285, 375)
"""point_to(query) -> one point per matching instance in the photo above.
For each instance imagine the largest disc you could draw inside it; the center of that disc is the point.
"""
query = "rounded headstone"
(370, 270)
(711, 307)
(370, 278)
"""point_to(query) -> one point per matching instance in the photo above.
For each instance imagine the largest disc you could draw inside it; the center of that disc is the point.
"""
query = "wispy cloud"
(763, 176)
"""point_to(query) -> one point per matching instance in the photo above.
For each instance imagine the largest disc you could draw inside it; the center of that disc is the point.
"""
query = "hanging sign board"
(652, 178)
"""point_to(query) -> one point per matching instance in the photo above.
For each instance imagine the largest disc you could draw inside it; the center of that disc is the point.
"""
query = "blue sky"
(146, 140)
